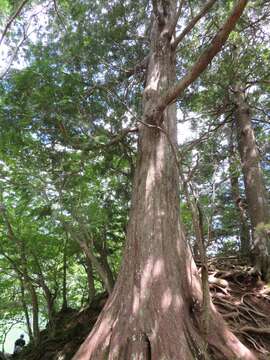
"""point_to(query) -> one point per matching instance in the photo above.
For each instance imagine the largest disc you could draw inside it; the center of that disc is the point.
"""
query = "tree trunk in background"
(90, 280)
(105, 275)
(48, 295)
(254, 186)
(86, 243)
(34, 301)
(197, 222)
(23, 272)
(154, 311)
(103, 259)
(25, 310)
(30, 287)
(35, 312)
(64, 285)
(239, 203)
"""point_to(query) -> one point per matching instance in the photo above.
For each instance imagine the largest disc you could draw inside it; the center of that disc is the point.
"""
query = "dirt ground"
(244, 301)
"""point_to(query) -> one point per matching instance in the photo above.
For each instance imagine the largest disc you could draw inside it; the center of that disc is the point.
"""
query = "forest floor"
(244, 301)
(240, 296)
(71, 328)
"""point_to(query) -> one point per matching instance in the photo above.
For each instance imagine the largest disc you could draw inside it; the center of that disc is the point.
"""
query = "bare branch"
(58, 14)
(205, 58)
(205, 136)
(95, 146)
(13, 17)
(177, 16)
(15, 52)
(193, 22)
(123, 75)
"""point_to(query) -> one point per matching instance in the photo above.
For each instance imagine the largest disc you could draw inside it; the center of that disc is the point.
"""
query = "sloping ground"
(239, 295)
(244, 301)
(71, 329)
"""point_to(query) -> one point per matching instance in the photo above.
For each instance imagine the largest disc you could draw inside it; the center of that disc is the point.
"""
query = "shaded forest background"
(70, 107)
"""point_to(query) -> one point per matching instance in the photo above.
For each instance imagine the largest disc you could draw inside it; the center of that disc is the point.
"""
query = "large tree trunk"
(254, 185)
(154, 311)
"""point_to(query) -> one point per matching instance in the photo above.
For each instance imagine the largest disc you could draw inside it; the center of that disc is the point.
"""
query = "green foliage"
(68, 100)
(4, 6)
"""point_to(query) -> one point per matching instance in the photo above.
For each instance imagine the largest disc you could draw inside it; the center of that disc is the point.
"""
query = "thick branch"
(95, 146)
(158, 12)
(205, 58)
(177, 16)
(193, 22)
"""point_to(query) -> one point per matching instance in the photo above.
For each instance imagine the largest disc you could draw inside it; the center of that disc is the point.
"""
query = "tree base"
(168, 326)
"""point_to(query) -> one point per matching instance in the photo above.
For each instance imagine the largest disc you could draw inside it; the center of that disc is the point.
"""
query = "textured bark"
(205, 57)
(240, 205)
(254, 185)
(197, 222)
(154, 311)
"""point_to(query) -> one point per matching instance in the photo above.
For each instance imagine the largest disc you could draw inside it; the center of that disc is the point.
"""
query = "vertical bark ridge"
(152, 312)
(255, 191)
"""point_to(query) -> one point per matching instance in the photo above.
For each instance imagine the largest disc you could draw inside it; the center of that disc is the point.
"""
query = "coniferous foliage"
(134, 139)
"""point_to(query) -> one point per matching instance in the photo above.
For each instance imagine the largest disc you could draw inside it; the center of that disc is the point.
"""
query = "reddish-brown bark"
(154, 311)
(255, 191)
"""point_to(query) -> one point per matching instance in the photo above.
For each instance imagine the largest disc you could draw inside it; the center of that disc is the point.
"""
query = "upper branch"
(13, 17)
(193, 22)
(15, 52)
(175, 20)
(95, 146)
(204, 59)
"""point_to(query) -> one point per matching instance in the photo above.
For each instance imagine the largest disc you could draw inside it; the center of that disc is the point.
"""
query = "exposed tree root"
(245, 307)
(244, 302)
(255, 330)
